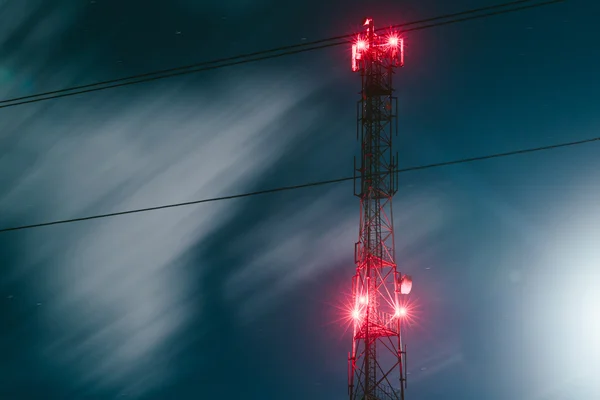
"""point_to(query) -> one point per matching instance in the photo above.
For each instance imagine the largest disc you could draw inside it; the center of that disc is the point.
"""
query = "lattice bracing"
(377, 361)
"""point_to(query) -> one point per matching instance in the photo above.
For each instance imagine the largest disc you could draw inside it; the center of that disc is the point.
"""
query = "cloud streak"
(115, 287)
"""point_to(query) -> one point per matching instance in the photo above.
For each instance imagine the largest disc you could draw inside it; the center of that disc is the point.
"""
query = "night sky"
(241, 298)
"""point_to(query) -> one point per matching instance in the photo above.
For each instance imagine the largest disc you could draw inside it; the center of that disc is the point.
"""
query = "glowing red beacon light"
(370, 47)
(358, 49)
(401, 312)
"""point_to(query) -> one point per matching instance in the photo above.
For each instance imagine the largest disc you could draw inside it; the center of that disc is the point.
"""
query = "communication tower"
(377, 363)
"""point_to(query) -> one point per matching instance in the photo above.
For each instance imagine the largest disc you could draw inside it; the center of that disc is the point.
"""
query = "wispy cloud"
(30, 33)
(114, 286)
(436, 360)
(301, 244)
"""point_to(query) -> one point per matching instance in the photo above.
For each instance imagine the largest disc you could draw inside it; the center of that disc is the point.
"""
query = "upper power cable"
(266, 54)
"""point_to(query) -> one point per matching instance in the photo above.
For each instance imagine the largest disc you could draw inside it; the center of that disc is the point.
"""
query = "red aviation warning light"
(390, 48)
(358, 49)
(401, 312)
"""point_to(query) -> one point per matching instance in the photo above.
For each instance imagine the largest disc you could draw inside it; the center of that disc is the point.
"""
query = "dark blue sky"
(239, 298)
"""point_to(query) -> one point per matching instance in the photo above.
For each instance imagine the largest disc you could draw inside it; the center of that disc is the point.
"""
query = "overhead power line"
(262, 52)
(301, 186)
(267, 54)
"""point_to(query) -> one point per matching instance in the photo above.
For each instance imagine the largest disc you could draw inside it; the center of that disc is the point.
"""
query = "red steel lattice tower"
(377, 363)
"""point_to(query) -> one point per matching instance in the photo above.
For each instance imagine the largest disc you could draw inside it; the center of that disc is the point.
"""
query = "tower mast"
(377, 364)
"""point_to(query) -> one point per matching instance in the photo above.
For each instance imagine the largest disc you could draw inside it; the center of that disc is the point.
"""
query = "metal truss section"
(376, 365)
